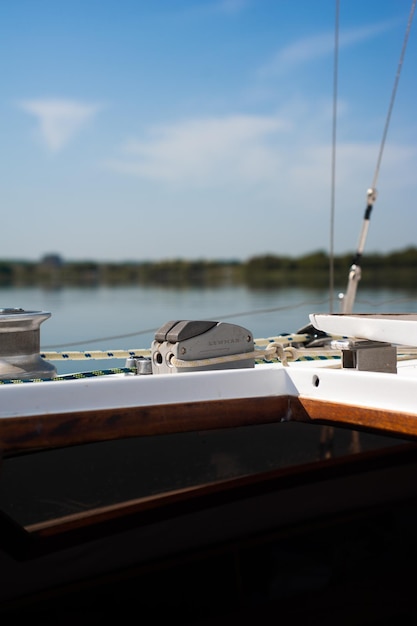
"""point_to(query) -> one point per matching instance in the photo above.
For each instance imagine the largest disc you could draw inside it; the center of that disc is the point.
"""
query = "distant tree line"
(398, 268)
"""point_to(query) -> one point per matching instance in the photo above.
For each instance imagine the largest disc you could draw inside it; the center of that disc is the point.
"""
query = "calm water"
(107, 318)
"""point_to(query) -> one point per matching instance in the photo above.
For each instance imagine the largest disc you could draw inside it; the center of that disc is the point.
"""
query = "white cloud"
(59, 120)
(279, 160)
(310, 48)
(211, 151)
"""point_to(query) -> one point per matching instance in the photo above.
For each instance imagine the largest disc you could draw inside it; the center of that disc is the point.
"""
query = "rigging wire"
(394, 92)
(147, 331)
(333, 169)
(372, 196)
(217, 318)
(355, 269)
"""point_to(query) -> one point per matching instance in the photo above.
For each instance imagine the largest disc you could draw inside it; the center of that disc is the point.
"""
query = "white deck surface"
(323, 380)
(397, 328)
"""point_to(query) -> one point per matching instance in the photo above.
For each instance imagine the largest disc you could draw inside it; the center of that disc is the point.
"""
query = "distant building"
(52, 261)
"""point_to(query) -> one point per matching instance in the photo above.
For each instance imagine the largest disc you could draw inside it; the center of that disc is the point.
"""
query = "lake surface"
(109, 318)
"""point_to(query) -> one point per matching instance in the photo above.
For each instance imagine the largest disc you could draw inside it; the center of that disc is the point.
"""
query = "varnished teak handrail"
(20, 434)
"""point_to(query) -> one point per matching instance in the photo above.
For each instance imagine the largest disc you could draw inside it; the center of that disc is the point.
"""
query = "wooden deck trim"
(27, 433)
(393, 423)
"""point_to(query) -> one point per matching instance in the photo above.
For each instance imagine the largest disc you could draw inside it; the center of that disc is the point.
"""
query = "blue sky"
(161, 129)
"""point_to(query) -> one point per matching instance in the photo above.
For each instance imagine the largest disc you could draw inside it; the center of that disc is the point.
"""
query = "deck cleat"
(192, 345)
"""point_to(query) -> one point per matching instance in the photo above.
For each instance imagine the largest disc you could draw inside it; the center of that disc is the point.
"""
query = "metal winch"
(20, 345)
(193, 345)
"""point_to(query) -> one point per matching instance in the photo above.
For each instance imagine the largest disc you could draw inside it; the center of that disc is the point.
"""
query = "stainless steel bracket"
(367, 356)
